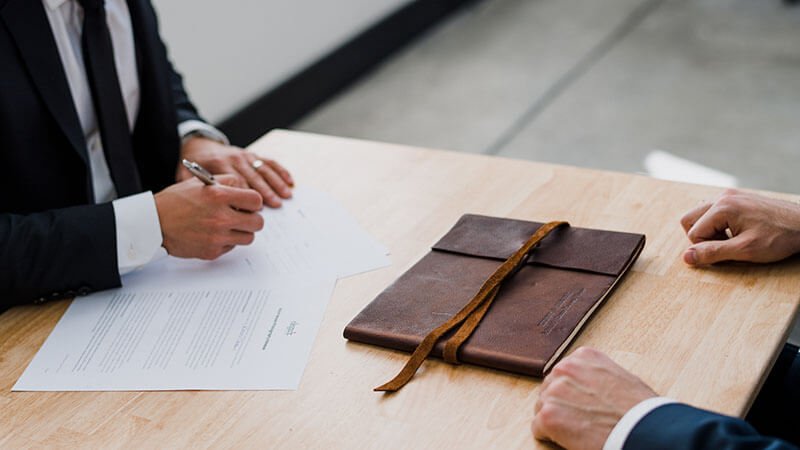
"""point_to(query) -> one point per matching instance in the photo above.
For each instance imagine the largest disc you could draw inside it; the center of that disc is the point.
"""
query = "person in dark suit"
(93, 121)
(590, 402)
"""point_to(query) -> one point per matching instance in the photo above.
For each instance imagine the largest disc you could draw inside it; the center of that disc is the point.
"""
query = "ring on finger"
(257, 164)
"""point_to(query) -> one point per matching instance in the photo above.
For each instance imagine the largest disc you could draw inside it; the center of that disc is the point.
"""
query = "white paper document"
(246, 321)
(311, 235)
(163, 340)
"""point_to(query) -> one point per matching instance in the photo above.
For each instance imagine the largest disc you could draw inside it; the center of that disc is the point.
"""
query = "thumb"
(710, 252)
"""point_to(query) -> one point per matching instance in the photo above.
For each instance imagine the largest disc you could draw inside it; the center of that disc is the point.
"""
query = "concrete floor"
(596, 84)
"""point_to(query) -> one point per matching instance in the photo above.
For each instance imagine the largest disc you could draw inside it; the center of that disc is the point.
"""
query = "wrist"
(623, 428)
(198, 139)
(161, 210)
(195, 128)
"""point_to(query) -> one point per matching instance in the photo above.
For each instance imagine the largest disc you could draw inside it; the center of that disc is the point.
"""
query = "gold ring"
(257, 164)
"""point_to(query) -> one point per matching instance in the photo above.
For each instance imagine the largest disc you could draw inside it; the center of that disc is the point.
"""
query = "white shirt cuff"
(625, 425)
(190, 126)
(138, 231)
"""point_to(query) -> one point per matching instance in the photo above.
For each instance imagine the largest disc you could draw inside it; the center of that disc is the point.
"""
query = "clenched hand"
(740, 226)
(199, 221)
(583, 398)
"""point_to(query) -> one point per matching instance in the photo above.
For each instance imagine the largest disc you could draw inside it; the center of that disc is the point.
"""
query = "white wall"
(232, 51)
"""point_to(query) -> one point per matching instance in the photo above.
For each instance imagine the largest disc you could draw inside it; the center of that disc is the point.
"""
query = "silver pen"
(198, 171)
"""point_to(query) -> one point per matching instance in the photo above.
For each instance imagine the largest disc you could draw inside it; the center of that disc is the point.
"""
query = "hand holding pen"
(207, 220)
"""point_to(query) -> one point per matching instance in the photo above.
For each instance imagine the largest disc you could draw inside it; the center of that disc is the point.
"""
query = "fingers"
(231, 180)
(257, 182)
(199, 221)
(539, 403)
(696, 222)
(225, 241)
(276, 175)
(278, 178)
(551, 421)
(287, 177)
(240, 222)
(247, 222)
(241, 238)
(275, 180)
(543, 420)
(242, 199)
(711, 252)
(689, 219)
(538, 430)
(542, 390)
(240, 230)
(547, 380)
(583, 398)
(270, 179)
(710, 226)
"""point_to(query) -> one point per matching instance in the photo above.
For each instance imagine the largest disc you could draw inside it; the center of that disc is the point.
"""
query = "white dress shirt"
(138, 229)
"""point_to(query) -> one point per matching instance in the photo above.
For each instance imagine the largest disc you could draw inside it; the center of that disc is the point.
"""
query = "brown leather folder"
(537, 312)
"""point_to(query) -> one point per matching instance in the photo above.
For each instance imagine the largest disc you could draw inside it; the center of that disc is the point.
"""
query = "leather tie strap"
(112, 118)
(470, 315)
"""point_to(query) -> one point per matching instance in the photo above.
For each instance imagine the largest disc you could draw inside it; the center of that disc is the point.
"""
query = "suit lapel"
(27, 22)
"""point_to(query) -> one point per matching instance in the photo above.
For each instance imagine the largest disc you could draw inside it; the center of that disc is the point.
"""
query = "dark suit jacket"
(54, 242)
(679, 426)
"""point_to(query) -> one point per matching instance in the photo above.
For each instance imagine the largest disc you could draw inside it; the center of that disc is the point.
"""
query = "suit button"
(84, 290)
(39, 301)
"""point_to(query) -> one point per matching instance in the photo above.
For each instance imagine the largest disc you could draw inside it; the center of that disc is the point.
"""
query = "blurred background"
(704, 91)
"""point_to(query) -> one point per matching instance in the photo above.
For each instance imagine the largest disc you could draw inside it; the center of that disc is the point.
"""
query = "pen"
(198, 171)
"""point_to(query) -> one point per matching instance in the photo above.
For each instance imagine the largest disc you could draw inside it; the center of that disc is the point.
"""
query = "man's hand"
(271, 180)
(742, 227)
(583, 398)
(199, 221)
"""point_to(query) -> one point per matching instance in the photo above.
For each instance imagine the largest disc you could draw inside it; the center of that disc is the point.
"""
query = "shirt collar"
(54, 4)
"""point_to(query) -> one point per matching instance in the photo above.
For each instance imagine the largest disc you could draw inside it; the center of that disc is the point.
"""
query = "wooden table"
(707, 336)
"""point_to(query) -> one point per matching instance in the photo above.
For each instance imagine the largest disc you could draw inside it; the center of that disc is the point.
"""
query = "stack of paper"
(245, 321)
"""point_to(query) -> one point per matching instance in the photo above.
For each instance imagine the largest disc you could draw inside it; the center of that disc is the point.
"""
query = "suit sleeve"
(57, 254)
(183, 105)
(682, 426)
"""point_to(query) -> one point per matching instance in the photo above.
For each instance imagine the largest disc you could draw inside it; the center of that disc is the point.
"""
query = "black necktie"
(98, 56)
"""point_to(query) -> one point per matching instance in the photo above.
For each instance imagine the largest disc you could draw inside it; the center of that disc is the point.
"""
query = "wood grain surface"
(704, 336)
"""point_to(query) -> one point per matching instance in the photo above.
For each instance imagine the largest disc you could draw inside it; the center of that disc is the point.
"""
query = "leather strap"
(470, 316)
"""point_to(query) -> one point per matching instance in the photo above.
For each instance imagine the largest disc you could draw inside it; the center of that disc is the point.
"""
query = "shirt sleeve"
(138, 231)
(190, 126)
(625, 425)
